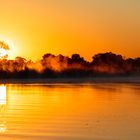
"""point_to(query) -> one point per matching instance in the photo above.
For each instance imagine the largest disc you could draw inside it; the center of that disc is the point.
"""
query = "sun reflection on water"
(2, 95)
(3, 128)
(3, 102)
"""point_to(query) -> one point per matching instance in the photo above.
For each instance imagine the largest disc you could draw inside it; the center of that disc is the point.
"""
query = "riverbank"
(129, 79)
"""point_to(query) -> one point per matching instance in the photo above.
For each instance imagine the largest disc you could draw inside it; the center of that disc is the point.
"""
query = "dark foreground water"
(70, 111)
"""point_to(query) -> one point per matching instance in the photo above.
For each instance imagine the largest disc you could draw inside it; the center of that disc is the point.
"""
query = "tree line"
(55, 66)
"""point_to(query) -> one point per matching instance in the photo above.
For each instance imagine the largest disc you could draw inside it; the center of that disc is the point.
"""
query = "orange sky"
(35, 27)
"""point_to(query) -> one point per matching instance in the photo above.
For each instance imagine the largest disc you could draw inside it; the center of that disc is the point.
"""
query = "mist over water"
(70, 111)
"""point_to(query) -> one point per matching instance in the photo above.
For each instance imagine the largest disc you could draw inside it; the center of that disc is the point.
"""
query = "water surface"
(70, 112)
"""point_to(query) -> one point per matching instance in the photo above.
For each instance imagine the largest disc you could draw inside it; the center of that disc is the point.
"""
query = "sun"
(4, 48)
(14, 44)
(3, 53)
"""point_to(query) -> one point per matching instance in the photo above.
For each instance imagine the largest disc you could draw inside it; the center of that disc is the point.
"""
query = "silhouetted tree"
(53, 66)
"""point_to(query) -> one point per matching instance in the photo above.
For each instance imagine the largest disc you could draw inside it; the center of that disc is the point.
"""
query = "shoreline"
(129, 79)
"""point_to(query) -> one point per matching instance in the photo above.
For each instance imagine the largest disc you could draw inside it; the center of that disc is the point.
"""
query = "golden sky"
(35, 27)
